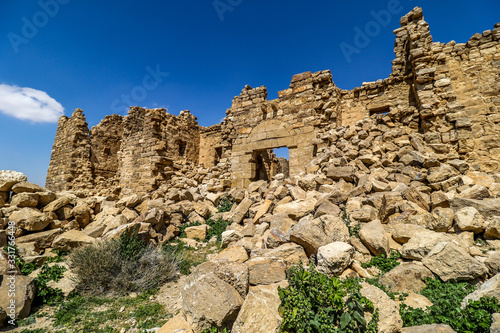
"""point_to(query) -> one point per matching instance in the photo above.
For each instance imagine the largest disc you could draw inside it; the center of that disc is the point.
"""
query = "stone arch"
(270, 134)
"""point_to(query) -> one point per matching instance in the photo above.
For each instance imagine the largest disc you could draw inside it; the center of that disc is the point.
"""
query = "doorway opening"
(270, 162)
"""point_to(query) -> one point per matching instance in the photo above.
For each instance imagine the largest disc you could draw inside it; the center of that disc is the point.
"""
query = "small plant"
(314, 303)
(447, 298)
(353, 228)
(216, 228)
(225, 205)
(44, 293)
(383, 263)
(24, 267)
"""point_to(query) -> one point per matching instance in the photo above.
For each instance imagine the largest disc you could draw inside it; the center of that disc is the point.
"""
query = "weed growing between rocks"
(314, 303)
(447, 298)
(119, 267)
(188, 257)
(384, 263)
(225, 205)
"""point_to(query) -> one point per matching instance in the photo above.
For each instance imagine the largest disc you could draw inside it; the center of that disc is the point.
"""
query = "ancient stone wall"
(70, 159)
(449, 93)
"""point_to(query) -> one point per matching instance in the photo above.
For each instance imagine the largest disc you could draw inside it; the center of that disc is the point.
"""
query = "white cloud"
(29, 104)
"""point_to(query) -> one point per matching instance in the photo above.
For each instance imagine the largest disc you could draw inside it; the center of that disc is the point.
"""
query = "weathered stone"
(72, 239)
(266, 270)
(207, 300)
(233, 253)
(259, 312)
(450, 261)
(229, 237)
(486, 207)
(31, 219)
(403, 232)
(10, 178)
(493, 262)
(314, 233)
(43, 239)
(290, 253)
(406, 277)
(469, 219)
(24, 200)
(431, 328)
(197, 232)
(176, 324)
(422, 243)
(58, 203)
(241, 210)
(373, 236)
(296, 209)
(490, 288)
(27, 187)
(334, 258)
(389, 318)
(23, 297)
(336, 173)
(493, 228)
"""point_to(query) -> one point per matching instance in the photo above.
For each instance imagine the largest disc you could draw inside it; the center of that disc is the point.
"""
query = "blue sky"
(89, 54)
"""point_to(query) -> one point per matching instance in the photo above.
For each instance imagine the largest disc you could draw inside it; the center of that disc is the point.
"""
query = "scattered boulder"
(406, 277)
(23, 297)
(9, 178)
(31, 219)
(432, 328)
(72, 239)
(490, 288)
(334, 258)
(373, 236)
(450, 261)
(259, 312)
(469, 219)
(389, 318)
(266, 270)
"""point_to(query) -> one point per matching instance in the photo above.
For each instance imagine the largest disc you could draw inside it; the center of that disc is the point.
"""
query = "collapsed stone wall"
(448, 93)
(134, 153)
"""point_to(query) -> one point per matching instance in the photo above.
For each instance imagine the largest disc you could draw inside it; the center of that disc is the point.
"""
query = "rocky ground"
(376, 190)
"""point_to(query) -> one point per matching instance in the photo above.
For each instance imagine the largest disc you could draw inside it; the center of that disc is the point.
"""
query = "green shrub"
(225, 205)
(383, 263)
(24, 267)
(121, 266)
(314, 303)
(216, 228)
(447, 298)
(44, 293)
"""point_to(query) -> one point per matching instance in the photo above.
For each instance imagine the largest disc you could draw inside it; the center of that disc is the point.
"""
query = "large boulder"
(266, 270)
(259, 312)
(24, 287)
(208, 301)
(493, 228)
(312, 234)
(291, 253)
(238, 214)
(389, 318)
(24, 200)
(9, 178)
(373, 236)
(26, 187)
(296, 209)
(402, 232)
(72, 239)
(469, 219)
(334, 258)
(406, 277)
(452, 262)
(486, 207)
(31, 219)
(43, 239)
(233, 253)
(422, 243)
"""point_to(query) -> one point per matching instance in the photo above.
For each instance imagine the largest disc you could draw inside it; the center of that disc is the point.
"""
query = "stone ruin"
(448, 93)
